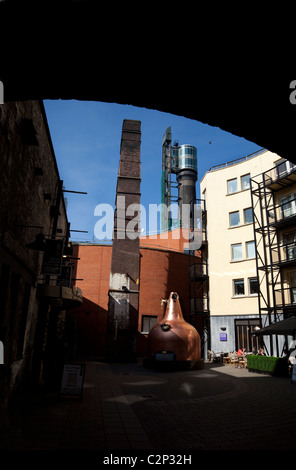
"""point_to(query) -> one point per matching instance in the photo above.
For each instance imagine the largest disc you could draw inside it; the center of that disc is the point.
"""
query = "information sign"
(73, 379)
(223, 336)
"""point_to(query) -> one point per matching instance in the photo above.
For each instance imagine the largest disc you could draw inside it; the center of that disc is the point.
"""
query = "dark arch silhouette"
(78, 52)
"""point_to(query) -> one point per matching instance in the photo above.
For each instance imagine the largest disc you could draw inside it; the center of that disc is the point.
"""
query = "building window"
(289, 244)
(248, 215)
(288, 206)
(236, 252)
(253, 286)
(232, 186)
(245, 182)
(292, 285)
(284, 167)
(251, 253)
(148, 322)
(238, 287)
(234, 219)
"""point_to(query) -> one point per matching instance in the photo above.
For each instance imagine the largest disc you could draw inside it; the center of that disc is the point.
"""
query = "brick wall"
(29, 183)
(161, 272)
(91, 318)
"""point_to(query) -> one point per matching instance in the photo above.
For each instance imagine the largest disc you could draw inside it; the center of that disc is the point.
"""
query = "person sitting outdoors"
(241, 352)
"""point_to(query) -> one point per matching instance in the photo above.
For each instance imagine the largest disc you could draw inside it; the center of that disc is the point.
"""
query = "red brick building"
(123, 285)
(162, 270)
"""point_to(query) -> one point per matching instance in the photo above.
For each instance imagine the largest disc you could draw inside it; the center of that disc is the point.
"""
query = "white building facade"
(233, 282)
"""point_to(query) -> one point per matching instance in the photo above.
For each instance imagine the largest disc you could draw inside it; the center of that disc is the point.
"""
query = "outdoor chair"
(212, 356)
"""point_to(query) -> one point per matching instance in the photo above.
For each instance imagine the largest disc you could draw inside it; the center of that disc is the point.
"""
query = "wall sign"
(72, 380)
(223, 336)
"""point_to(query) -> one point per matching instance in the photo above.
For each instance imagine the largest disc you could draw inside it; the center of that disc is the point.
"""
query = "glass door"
(244, 337)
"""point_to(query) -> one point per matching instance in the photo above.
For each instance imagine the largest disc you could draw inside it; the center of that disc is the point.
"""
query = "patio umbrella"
(283, 327)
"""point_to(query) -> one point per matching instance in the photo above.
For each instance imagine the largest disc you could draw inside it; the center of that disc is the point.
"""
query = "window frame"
(255, 278)
(287, 211)
(239, 223)
(242, 281)
(248, 209)
(247, 243)
(241, 179)
(230, 180)
(236, 244)
(145, 317)
(284, 163)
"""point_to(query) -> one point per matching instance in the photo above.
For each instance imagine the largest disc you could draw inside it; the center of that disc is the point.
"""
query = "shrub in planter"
(277, 366)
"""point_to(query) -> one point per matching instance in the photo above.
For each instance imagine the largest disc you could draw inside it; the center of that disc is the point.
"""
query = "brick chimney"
(125, 264)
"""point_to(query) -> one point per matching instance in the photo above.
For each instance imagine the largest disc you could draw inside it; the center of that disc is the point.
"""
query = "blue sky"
(86, 138)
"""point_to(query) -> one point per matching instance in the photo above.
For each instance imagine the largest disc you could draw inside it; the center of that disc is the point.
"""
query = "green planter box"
(277, 366)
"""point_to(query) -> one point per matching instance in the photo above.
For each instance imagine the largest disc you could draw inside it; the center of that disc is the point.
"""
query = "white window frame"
(232, 246)
(234, 212)
(243, 176)
(247, 244)
(232, 192)
(249, 286)
(246, 209)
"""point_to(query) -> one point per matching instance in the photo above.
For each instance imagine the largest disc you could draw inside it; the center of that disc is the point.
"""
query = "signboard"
(223, 336)
(164, 356)
(72, 380)
(52, 258)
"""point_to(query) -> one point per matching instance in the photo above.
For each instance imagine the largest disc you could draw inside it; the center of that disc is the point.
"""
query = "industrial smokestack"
(186, 177)
(180, 161)
(123, 307)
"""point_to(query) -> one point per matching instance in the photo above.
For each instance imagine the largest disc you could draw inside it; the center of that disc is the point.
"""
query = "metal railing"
(284, 253)
(285, 297)
(282, 212)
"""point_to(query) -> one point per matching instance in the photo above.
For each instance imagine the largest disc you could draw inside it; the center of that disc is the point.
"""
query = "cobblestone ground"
(217, 408)
(130, 407)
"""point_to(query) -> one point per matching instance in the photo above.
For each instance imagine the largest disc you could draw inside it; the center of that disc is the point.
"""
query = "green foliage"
(273, 365)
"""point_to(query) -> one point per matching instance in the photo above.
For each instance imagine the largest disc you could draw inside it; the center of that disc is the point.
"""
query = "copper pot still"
(174, 334)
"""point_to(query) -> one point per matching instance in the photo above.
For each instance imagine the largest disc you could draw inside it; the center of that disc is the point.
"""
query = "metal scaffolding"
(199, 281)
(273, 253)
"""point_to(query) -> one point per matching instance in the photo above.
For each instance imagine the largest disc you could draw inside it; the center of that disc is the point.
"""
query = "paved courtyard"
(128, 407)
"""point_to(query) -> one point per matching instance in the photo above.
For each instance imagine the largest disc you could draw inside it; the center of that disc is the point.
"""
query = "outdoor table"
(226, 359)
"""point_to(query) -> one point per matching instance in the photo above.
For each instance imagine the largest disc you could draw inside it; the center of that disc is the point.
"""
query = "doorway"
(244, 337)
